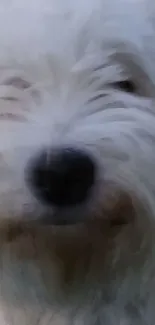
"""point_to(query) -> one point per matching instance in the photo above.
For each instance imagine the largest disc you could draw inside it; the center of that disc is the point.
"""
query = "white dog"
(77, 162)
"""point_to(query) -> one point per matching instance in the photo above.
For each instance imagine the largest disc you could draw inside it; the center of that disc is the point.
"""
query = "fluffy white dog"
(77, 162)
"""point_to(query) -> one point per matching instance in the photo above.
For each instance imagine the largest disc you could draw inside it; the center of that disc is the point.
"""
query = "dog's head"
(77, 119)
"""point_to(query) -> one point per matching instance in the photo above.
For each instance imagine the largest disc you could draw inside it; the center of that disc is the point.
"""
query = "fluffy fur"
(63, 71)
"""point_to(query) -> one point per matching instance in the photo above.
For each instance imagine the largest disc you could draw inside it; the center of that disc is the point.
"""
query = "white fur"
(60, 61)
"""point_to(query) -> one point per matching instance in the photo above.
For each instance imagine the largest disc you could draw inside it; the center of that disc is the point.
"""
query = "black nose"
(62, 178)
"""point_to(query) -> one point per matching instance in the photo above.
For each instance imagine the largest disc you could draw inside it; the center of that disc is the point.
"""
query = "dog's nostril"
(62, 178)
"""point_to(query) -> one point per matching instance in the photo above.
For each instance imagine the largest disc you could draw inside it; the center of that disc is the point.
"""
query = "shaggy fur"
(80, 74)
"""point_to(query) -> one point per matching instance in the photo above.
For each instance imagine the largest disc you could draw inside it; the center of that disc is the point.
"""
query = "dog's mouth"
(64, 217)
(58, 220)
(117, 212)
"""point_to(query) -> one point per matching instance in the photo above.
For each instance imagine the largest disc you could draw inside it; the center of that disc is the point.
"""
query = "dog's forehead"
(31, 28)
(49, 41)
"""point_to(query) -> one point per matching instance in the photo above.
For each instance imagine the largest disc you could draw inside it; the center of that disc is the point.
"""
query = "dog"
(77, 162)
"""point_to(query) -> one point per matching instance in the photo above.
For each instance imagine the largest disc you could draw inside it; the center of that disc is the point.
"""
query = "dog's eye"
(126, 85)
(17, 82)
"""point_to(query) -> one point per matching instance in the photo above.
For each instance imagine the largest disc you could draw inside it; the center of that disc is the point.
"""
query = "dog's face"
(76, 110)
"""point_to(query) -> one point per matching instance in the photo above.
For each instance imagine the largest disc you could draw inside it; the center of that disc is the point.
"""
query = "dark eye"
(18, 82)
(126, 85)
